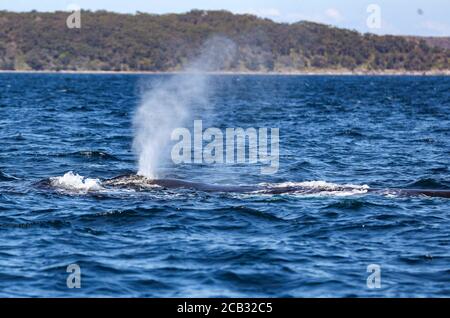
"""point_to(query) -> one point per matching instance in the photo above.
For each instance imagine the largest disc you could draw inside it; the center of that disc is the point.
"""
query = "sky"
(400, 17)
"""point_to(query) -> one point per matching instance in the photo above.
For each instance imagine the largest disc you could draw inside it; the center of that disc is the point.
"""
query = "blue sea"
(365, 131)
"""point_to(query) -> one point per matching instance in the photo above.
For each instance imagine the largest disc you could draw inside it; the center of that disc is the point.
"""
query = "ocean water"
(378, 132)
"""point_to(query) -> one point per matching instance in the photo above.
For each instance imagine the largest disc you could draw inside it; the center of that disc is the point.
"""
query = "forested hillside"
(144, 42)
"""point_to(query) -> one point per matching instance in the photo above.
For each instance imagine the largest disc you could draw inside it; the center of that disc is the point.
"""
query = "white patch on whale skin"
(75, 182)
(133, 181)
(316, 185)
(319, 188)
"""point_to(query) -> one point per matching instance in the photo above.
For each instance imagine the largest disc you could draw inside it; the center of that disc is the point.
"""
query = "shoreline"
(234, 73)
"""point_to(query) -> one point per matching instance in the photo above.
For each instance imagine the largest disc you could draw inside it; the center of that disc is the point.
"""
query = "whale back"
(142, 183)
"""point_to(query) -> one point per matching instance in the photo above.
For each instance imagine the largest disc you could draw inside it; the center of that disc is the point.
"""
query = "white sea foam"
(75, 182)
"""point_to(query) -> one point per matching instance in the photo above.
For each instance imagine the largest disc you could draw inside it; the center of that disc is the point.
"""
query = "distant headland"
(110, 42)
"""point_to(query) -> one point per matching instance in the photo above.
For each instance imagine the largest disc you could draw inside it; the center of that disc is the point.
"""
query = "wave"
(96, 154)
(356, 204)
(353, 132)
(91, 154)
(32, 224)
(6, 177)
(16, 137)
(428, 183)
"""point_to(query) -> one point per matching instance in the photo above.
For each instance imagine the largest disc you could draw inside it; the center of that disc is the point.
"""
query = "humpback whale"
(142, 183)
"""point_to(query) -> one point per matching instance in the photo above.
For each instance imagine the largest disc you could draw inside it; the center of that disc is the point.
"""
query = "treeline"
(145, 42)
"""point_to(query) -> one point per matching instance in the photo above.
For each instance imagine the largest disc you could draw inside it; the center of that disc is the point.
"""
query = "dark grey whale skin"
(139, 182)
(135, 181)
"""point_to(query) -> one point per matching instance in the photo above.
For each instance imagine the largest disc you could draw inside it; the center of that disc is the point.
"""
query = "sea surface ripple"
(365, 130)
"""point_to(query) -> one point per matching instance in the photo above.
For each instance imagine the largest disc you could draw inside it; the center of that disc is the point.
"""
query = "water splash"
(75, 182)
